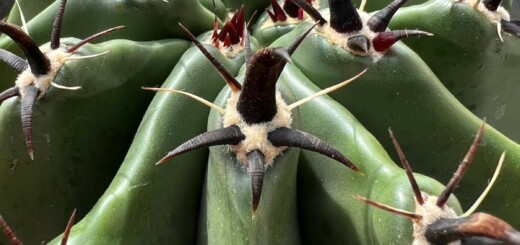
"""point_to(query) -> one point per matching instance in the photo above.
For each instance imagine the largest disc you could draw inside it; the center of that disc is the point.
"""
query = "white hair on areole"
(43, 82)
(256, 134)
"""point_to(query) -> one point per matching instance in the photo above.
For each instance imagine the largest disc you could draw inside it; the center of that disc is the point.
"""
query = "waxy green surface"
(467, 55)
(328, 212)
(146, 20)
(401, 92)
(161, 200)
(79, 136)
(227, 213)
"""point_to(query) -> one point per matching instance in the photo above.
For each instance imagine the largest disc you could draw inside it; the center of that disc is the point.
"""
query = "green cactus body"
(145, 198)
(29, 9)
(401, 92)
(226, 216)
(466, 54)
(328, 213)
(249, 193)
(78, 135)
(143, 20)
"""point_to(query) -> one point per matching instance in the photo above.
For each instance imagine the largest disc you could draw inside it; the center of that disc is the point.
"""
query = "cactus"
(293, 98)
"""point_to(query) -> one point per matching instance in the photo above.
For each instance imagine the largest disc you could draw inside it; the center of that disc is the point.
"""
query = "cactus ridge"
(255, 127)
(436, 223)
(258, 106)
(42, 68)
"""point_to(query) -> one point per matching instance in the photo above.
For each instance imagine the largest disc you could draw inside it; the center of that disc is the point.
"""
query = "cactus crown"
(230, 39)
(257, 121)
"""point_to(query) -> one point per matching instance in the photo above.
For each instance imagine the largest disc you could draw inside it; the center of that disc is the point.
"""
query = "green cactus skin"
(144, 20)
(328, 213)
(467, 55)
(29, 8)
(373, 5)
(226, 212)
(159, 200)
(78, 135)
(401, 92)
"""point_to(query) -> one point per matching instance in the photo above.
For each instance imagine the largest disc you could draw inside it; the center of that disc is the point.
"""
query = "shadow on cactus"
(436, 223)
(14, 240)
(37, 73)
(256, 120)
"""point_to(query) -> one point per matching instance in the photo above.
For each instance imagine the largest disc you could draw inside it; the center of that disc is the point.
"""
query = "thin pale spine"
(68, 228)
(74, 48)
(326, 91)
(13, 61)
(294, 138)
(256, 171)
(407, 168)
(476, 3)
(56, 26)
(223, 136)
(362, 5)
(247, 47)
(499, 30)
(488, 187)
(404, 213)
(27, 104)
(457, 176)
(230, 80)
(380, 20)
(69, 58)
(65, 87)
(195, 97)
(38, 62)
(22, 17)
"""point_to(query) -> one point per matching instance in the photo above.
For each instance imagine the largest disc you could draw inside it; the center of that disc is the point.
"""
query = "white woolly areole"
(256, 134)
(43, 82)
(290, 20)
(340, 39)
(230, 52)
(430, 213)
(493, 16)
